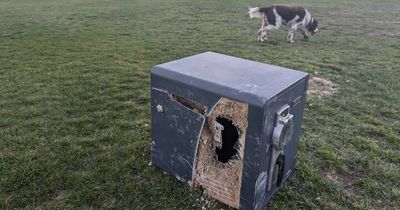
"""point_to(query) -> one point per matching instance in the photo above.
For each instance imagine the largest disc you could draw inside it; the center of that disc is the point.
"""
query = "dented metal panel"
(179, 124)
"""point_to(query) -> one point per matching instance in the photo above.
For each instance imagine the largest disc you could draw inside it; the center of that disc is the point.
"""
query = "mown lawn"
(74, 100)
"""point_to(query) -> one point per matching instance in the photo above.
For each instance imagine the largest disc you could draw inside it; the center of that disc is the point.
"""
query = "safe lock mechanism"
(281, 136)
(283, 128)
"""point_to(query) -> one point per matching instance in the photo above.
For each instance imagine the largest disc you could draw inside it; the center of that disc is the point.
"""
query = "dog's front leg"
(304, 33)
(290, 35)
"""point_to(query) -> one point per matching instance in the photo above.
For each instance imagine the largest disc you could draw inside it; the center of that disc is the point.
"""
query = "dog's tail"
(254, 12)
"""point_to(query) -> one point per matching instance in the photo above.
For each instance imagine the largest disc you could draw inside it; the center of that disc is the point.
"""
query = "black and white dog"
(295, 18)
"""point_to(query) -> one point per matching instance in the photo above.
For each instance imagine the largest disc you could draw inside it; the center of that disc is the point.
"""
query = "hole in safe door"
(229, 137)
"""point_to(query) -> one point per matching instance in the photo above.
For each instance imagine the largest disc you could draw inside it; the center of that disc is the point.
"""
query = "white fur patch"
(254, 12)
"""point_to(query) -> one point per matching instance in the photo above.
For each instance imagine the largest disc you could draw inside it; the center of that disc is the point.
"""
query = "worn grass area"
(74, 100)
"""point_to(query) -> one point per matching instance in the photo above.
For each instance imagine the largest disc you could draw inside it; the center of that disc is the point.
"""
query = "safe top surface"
(231, 77)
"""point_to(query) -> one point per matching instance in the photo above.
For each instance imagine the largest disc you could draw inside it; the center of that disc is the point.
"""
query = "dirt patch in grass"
(318, 86)
(384, 28)
(384, 32)
(59, 195)
(346, 180)
(205, 202)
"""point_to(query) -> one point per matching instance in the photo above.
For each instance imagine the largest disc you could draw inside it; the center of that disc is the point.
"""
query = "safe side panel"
(294, 96)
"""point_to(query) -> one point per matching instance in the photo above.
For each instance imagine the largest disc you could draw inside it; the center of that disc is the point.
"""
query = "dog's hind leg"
(262, 35)
(259, 35)
(263, 32)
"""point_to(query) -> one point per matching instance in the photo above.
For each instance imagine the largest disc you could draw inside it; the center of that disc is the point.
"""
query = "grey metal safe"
(228, 125)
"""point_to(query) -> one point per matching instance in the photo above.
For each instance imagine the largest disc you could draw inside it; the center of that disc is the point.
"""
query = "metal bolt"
(159, 108)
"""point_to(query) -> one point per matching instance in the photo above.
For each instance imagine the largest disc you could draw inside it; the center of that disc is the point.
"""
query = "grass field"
(74, 100)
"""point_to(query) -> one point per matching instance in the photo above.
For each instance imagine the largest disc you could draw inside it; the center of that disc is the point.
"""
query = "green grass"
(74, 100)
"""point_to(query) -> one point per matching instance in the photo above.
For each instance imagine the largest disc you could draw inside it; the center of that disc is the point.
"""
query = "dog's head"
(312, 26)
(254, 12)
